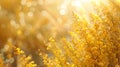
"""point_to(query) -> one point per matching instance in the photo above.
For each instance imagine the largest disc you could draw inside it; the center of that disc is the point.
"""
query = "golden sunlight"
(59, 33)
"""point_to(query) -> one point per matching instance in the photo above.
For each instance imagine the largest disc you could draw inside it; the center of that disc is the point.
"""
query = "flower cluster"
(41, 33)
(94, 40)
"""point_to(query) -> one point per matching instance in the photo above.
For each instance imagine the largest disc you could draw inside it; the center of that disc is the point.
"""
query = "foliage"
(40, 33)
(94, 42)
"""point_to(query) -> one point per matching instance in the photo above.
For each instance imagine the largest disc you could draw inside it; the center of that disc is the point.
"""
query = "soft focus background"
(26, 26)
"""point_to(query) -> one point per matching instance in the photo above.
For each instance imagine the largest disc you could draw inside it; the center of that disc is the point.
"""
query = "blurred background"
(28, 24)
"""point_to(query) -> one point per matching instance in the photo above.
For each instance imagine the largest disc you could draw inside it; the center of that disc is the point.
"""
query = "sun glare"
(76, 3)
(59, 33)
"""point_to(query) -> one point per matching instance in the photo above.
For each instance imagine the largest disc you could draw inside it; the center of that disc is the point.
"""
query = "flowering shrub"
(94, 42)
(41, 33)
